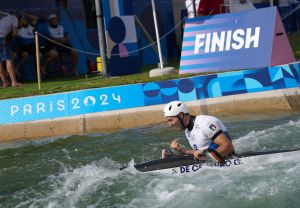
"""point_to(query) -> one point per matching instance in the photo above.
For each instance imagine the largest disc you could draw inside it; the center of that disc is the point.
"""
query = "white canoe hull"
(187, 164)
(190, 169)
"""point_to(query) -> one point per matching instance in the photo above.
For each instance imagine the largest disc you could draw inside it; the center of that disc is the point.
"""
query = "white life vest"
(205, 129)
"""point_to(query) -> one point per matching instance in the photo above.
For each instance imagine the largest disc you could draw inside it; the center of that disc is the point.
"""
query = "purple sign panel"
(233, 41)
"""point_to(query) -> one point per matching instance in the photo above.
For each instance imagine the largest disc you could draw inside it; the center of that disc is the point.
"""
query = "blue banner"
(147, 94)
(33, 108)
(105, 99)
(70, 103)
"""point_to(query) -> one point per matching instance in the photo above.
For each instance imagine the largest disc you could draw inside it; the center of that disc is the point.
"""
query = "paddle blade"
(122, 168)
(214, 156)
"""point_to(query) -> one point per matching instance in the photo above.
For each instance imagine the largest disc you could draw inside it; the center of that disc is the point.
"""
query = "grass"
(295, 43)
(78, 83)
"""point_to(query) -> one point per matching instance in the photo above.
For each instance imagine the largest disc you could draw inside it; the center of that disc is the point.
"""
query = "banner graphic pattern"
(147, 94)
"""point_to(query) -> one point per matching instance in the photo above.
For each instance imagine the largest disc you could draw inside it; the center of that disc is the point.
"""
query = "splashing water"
(83, 171)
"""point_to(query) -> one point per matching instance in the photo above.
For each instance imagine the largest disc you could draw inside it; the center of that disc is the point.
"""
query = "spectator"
(190, 7)
(211, 7)
(8, 29)
(26, 40)
(56, 33)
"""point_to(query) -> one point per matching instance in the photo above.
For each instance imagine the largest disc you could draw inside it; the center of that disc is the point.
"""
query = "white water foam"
(100, 184)
(69, 187)
(261, 140)
(262, 177)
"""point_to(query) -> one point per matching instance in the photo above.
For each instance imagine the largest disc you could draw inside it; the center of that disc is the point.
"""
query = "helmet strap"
(191, 123)
(181, 121)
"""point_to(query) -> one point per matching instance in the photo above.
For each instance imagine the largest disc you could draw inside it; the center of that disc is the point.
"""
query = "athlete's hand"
(197, 154)
(177, 146)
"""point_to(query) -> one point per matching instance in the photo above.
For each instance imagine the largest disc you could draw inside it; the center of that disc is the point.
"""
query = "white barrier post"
(161, 63)
(161, 70)
(37, 54)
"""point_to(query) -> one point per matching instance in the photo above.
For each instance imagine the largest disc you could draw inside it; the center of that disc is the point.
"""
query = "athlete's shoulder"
(205, 118)
(207, 121)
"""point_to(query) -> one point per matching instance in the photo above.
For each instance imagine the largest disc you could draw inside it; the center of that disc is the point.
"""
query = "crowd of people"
(17, 43)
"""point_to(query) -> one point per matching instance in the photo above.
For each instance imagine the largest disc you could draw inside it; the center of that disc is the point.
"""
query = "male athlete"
(203, 132)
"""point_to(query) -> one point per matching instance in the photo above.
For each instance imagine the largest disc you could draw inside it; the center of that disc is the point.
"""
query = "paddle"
(213, 155)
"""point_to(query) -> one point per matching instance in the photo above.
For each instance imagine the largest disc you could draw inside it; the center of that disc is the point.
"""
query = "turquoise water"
(83, 171)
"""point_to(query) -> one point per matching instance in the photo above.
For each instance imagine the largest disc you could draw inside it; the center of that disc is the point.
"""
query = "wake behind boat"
(187, 164)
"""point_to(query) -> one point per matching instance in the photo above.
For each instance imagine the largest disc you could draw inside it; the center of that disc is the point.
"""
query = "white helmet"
(174, 108)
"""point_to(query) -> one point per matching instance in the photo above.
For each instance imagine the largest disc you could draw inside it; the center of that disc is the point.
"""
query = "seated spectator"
(8, 29)
(56, 33)
(26, 40)
(210, 7)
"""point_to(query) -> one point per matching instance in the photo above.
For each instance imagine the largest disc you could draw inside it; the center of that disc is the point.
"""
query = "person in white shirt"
(203, 132)
(8, 30)
(58, 35)
(190, 7)
(26, 40)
